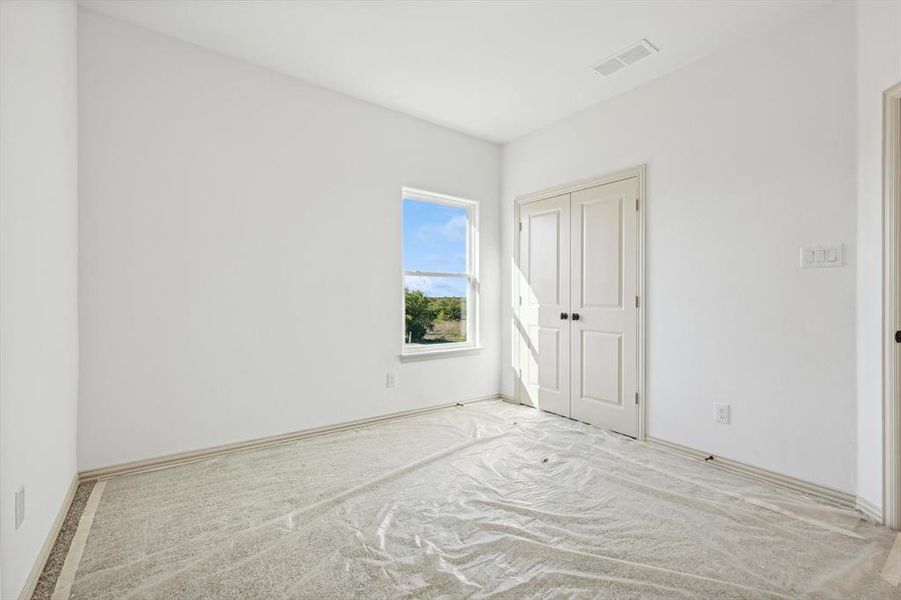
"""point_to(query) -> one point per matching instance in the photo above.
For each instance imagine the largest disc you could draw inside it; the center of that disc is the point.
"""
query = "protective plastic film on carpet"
(487, 500)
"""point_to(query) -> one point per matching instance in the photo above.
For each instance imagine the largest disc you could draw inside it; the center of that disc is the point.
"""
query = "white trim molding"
(837, 497)
(638, 172)
(891, 405)
(63, 588)
(181, 458)
(869, 509)
(583, 184)
(441, 353)
(41, 560)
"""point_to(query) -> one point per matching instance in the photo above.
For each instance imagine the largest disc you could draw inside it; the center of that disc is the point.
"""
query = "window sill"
(444, 353)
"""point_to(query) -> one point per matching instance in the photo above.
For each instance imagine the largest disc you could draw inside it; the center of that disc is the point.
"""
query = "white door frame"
(891, 410)
(639, 172)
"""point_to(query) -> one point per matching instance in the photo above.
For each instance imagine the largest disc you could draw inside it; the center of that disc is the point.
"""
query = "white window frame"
(409, 351)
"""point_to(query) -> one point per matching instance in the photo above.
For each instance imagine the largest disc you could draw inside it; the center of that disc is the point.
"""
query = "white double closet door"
(578, 314)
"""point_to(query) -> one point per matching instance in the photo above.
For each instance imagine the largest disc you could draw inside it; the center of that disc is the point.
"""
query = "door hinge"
(636, 397)
(637, 203)
(520, 225)
(520, 300)
(637, 303)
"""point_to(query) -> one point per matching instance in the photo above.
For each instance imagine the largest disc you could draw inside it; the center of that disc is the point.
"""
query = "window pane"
(434, 237)
(435, 309)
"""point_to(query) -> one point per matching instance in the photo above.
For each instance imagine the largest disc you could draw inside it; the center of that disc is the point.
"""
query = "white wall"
(38, 258)
(878, 68)
(240, 250)
(750, 154)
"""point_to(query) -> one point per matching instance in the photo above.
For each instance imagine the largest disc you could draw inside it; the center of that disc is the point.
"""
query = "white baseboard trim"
(507, 398)
(38, 567)
(181, 458)
(66, 577)
(869, 509)
(843, 499)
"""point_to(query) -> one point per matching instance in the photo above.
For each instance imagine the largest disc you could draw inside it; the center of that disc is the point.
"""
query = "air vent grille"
(634, 54)
(626, 57)
(609, 67)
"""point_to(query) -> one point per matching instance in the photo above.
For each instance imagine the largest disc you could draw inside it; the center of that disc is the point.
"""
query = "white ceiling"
(495, 70)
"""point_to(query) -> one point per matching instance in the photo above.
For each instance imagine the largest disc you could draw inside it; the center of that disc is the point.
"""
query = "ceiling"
(494, 70)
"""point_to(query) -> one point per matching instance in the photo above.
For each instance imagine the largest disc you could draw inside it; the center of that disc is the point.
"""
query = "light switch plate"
(820, 257)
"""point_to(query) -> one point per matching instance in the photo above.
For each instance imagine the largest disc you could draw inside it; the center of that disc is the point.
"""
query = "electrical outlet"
(391, 380)
(20, 506)
(721, 413)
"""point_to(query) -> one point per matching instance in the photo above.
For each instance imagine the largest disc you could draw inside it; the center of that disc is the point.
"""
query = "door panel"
(549, 367)
(601, 249)
(544, 265)
(602, 355)
(544, 274)
(604, 366)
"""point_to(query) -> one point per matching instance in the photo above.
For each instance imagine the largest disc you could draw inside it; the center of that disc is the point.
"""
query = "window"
(441, 288)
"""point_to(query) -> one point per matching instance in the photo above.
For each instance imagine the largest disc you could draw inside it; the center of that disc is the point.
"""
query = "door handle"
(564, 316)
(576, 317)
(898, 337)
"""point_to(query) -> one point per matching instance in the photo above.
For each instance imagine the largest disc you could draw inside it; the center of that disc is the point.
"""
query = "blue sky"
(435, 240)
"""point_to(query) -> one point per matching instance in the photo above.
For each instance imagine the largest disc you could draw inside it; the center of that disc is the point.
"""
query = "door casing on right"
(891, 321)
(579, 317)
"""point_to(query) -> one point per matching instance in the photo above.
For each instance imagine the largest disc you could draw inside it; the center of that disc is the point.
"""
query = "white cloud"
(423, 284)
(435, 286)
(449, 262)
(454, 230)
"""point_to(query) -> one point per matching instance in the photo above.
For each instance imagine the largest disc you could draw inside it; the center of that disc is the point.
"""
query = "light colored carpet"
(47, 582)
(487, 500)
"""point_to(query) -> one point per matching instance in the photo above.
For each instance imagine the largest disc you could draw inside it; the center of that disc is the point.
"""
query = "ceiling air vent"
(626, 57)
